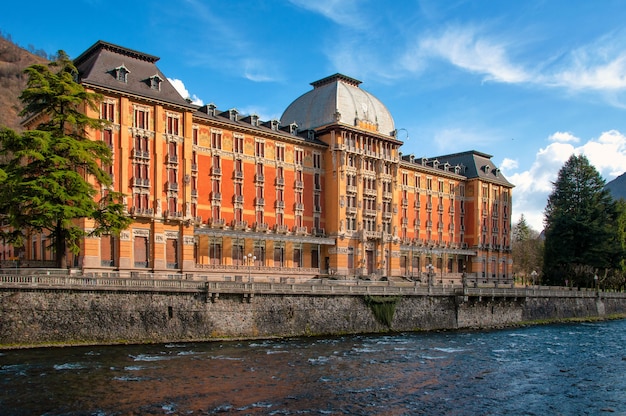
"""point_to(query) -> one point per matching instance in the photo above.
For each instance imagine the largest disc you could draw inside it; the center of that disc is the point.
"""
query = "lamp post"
(533, 276)
(430, 276)
(595, 282)
(251, 259)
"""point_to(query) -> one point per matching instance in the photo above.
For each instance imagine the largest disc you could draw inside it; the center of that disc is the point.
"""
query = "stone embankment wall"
(33, 317)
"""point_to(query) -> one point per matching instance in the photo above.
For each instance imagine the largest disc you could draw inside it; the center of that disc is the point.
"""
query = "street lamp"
(430, 269)
(251, 259)
(595, 281)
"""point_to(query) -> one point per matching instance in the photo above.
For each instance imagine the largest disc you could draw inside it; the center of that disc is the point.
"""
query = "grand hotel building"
(324, 191)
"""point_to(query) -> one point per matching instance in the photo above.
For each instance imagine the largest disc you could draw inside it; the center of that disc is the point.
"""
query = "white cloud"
(607, 154)
(467, 49)
(182, 90)
(563, 137)
(342, 12)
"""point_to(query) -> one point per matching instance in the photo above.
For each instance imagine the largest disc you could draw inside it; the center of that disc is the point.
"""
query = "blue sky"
(529, 82)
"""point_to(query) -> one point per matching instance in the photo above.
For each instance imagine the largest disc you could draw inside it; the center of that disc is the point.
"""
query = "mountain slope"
(13, 61)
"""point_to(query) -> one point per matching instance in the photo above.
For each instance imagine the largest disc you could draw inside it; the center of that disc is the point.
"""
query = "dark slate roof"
(617, 187)
(97, 67)
(252, 122)
(476, 165)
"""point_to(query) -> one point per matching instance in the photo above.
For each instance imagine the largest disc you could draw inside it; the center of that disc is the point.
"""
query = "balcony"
(351, 189)
(280, 182)
(369, 192)
(298, 184)
(237, 199)
(141, 154)
(261, 227)
(405, 202)
(217, 222)
(140, 212)
(318, 232)
(172, 186)
(259, 178)
(279, 204)
(173, 215)
(299, 230)
(194, 167)
(141, 182)
(387, 195)
(259, 202)
(369, 212)
(281, 229)
(216, 171)
(239, 225)
(317, 208)
(172, 158)
(298, 206)
(216, 196)
(238, 174)
(194, 193)
(351, 210)
(387, 215)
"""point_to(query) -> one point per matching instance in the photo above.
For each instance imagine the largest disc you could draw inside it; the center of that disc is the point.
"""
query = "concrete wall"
(68, 317)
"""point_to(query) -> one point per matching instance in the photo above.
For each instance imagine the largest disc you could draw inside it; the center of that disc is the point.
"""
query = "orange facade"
(215, 193)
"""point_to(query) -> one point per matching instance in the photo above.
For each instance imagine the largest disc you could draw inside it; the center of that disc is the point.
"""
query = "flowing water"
(572, 369)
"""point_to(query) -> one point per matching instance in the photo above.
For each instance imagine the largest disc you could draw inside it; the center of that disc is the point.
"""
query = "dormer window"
(210, 109)
(254, 120)
(155, 82)
(293, 128)
(121, 73)
(486, 168)
(232, 114)
(274, 124)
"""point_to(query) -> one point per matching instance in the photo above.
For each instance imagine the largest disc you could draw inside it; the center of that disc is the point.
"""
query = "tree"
(527, 250)
(581, 238)
(54, 175)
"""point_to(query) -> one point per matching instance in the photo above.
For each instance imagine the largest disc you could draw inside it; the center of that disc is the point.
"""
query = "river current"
(567, 369)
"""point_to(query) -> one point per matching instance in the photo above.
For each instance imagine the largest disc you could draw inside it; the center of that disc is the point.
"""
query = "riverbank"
(40, 313)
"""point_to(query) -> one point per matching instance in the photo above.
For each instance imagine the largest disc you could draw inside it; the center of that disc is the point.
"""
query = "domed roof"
(338, 99)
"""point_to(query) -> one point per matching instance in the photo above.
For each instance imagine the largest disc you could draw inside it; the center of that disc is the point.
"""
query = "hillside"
(13, 61)
(618, 187)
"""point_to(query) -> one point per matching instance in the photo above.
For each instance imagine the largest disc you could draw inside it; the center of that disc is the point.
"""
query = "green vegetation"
(584, 234)
(527, 252)
(383, 307)
(54, 173)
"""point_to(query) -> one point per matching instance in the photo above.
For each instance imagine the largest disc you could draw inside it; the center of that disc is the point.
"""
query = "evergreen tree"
(54, 176)
(527, 250)
(580, 226)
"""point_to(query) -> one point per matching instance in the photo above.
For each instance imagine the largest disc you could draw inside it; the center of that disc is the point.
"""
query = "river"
(565, 369)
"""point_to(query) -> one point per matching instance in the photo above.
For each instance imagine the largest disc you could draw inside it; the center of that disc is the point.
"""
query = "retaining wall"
(49, 317)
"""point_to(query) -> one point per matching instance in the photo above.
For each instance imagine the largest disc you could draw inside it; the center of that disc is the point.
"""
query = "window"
(155, 82)
(172, 125)
(298, 156)
(259, 149)
(238, 144)
(141, 118)
(280, 153)
(194, 135)
(121, 73)
(317, 160)
(107, 111)
(216, 139)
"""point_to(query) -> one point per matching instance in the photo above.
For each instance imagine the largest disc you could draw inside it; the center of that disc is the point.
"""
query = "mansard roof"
(98, 66)
(477, 165)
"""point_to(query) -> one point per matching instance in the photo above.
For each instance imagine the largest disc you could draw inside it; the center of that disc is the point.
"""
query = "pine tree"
(54, 176)
(580, 232)
(527, 250)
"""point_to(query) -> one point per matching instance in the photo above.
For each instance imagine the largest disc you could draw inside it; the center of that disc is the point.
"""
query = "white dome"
(338, 99)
